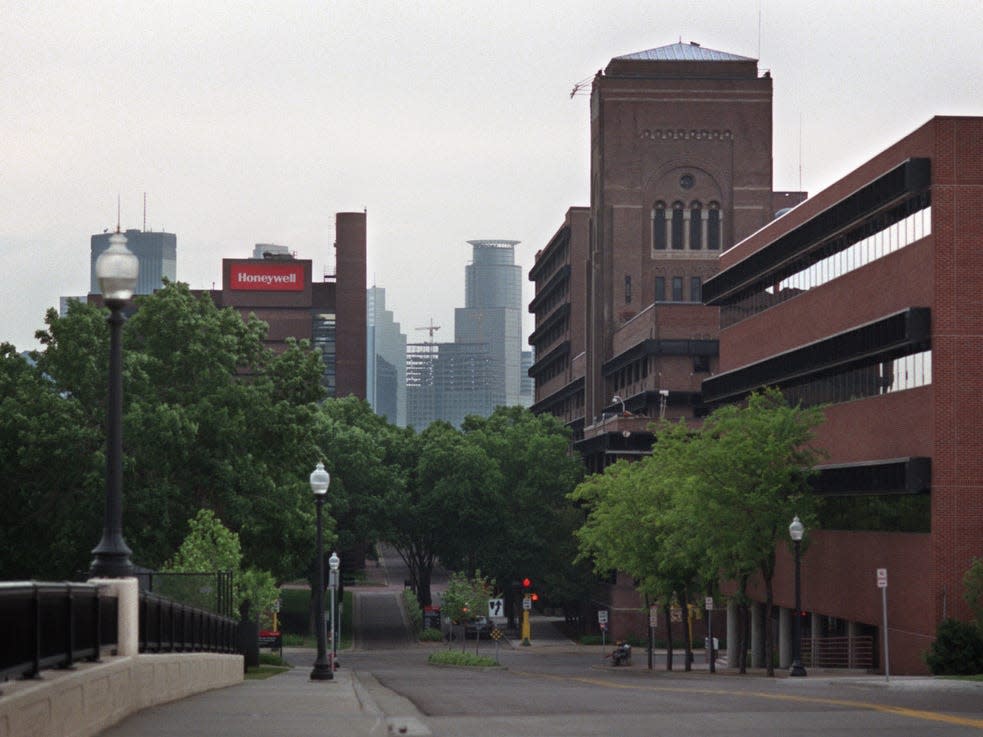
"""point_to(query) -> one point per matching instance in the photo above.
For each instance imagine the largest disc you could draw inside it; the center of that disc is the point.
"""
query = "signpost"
(496, 608)
(711, 651)
(882, 585)
(602, 620)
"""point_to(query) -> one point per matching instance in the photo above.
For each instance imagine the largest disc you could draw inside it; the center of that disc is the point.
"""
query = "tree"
(707, 502)
(212, 419)
(973, 581)
(754, 462)
(211, 547)
(439, 501)
(52, 460)
(529, 525)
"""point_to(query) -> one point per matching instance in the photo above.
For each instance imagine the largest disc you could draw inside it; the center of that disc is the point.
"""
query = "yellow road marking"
(930, 716)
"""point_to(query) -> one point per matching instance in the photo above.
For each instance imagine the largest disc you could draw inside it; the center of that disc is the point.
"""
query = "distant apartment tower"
(156, 252)
(385, 360)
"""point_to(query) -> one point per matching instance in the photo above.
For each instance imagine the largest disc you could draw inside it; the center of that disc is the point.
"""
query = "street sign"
(676, 614)
(527, 603)
(602, 616)
(709, 603)
(882, 578)
(496, 608)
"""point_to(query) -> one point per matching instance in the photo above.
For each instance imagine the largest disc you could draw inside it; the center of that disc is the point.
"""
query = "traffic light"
(526, 584)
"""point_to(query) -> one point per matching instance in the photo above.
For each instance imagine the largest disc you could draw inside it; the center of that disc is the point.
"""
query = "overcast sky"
(249, 122)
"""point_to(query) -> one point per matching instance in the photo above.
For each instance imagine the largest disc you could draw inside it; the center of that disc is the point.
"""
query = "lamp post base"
(322, 672)
(797, 670)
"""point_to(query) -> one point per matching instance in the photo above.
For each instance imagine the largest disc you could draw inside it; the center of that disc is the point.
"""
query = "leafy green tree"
(528, 521)
(52, 490)
(211, 547)
(466, 598)
(441, 500)
(212, 419)
(973, 581)
(754, 465)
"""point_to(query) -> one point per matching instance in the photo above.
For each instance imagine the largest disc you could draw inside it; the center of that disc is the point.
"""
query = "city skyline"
(258, 126)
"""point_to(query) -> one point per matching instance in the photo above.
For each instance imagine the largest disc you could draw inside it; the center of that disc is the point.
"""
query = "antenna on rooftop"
(117, 212)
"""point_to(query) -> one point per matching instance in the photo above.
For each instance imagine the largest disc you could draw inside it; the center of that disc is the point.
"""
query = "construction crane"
(431, 329)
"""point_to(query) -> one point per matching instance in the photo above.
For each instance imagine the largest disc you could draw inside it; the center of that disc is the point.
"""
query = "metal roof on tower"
(691, 51)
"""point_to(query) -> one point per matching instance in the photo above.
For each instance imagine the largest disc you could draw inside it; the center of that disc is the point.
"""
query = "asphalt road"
(557, 688)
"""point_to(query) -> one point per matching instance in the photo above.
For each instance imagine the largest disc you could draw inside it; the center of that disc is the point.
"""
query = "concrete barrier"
(94, 696)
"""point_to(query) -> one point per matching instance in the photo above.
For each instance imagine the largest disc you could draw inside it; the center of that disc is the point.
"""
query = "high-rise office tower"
(385, 360)
(156, 252)
(493, 315)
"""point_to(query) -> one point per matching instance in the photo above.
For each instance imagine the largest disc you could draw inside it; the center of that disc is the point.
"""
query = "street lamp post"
(320, 479)
(116, 270)
(334, 562)
(795, 531)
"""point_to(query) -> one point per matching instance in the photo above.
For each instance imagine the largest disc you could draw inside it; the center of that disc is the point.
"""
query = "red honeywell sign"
(267, 277)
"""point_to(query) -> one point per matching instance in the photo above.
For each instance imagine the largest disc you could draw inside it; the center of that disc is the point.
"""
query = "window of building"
(678, 229)
(660, 289)
(695, 226)
(713, 226)
(695, 289)
(677, 289)
(659, 226)
(627, 289)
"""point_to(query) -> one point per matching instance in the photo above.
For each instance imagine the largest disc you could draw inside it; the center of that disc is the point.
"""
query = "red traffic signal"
(534, 596)
(526, 583)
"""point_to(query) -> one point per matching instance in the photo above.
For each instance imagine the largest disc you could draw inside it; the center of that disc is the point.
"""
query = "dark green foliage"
(957, 650)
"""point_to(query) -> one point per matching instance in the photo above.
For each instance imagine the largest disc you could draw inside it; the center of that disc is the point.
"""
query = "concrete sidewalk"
(286, 705)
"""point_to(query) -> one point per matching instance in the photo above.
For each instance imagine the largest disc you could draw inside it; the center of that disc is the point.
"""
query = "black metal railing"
(171, 626)
(52, 625)
(839, 652)
(211, 591)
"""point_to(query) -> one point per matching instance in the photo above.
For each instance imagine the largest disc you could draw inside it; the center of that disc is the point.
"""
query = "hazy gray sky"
(251, 122)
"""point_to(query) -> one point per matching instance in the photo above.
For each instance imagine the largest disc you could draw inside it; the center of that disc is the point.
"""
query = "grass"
(299, 602)
(455, 657)
(270, 665)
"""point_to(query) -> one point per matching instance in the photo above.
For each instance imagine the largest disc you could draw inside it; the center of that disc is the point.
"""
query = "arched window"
(714, 226)
(678, 229)
(659, 226)
(695, 226)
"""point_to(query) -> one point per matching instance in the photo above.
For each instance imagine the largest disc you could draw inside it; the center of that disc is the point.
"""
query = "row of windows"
(677, 283)
(907, 372)
(875, 239)
(556, 297)
(683, 227)
(552, 335)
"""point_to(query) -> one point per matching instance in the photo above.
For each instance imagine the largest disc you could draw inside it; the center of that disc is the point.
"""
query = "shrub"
(413, 610)
(957, 650)
(431, 634)
(455, 657)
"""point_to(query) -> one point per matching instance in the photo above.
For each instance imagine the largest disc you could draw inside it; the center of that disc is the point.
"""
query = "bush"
(454, 657)
(957, 650)
(431, 634)
(413, 610)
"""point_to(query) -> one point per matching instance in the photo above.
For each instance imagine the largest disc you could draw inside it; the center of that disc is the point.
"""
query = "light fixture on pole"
(796, 530)
(320, 479)
(334, 563)
(116, 269)
(618, 398)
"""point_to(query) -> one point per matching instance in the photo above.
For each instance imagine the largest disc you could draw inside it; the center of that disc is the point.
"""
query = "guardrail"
(169, 626)
(52, 625)
(838, 652)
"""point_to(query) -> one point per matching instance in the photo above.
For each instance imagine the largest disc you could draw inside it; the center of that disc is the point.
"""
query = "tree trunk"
(768, 574)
